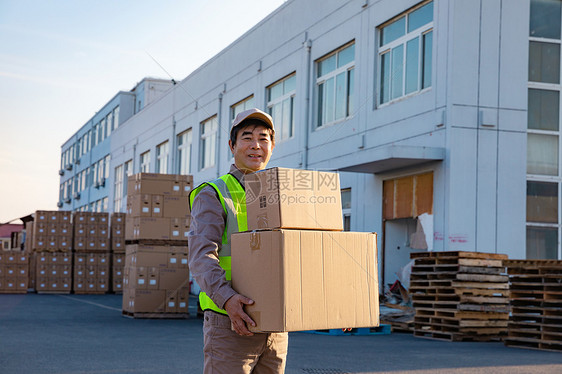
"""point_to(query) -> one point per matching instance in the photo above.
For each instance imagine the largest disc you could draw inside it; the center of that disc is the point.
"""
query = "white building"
(445, 109)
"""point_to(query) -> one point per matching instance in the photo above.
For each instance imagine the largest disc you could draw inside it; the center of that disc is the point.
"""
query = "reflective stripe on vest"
(233, 200)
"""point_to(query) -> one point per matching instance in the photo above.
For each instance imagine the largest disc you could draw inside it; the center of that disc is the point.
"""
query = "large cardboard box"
(307, 280)
(147, 228)
(294, 199)
(161, 184)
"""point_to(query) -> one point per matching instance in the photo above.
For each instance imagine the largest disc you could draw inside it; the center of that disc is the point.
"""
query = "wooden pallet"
(12, 292)
(460, 296)
(155, 315)
(90, 292)
(54, 292)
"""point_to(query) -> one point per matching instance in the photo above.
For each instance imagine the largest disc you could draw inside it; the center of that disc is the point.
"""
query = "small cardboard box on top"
(293, 199)
(160, 184)
(307, 279)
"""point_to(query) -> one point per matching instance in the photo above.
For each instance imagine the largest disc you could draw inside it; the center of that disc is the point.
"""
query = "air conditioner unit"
(59, 204)
(67, 200)
(77, 195)
(68, 167)
(102, 183)
(77, 161)
(61, 172)
(97, 185)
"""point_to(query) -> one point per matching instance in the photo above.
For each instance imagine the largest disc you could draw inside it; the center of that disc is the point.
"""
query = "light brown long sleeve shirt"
(205, 240)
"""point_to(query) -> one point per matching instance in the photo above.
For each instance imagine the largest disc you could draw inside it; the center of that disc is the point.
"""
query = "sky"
(62, 60)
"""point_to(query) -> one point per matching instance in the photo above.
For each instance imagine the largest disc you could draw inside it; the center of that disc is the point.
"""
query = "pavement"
(72, 334)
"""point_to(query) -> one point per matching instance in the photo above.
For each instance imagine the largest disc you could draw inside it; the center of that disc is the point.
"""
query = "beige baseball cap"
(253, 113)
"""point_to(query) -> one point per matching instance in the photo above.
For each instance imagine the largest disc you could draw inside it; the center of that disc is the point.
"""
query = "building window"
(544, 175)
(335, 85)
(346, 208)
(184, 152)
(109, 120)
(208, 142)
(116, 117)
(106, 160)
(247, 103)
(280, 105)
(145, 162)
(162, 158)
(405, 53)
(118, 189)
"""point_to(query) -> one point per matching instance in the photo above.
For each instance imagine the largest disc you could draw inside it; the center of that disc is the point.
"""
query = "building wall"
(474, 114)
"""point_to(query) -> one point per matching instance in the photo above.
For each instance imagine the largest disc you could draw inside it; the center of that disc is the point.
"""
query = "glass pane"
(426, 63)
(542, 202)
(276, 114)
(347, 55)
(320, 104)
(327, 65)
(276, 91)
(290, 84)
(544, 109)
(346, 198)
(397, 71)
(385, 77)
(542, 154)
(420, 17)
(249, 104)
(286, 115)
(341, 97)
(350, 88)
(544, 62)
(545, 19)
(393, 31)
(542, 243)
(347, 222)
(329, 101)
(412, 63)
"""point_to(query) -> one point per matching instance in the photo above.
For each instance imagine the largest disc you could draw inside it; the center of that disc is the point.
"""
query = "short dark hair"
(252, 122)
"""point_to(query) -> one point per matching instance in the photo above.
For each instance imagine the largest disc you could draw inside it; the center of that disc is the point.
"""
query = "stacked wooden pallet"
(459, 295)
(536, 304)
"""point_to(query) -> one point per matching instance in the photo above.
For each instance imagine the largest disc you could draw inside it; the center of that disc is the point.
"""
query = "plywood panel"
(404, 197)
(388, 199)
(423, 199)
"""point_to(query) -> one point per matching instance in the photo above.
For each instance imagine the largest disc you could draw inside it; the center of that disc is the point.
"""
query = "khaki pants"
(226, 352)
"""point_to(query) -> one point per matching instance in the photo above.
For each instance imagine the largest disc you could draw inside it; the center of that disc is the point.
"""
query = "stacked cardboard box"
(156, 281)
(92, 254)
(14, 271)
(117, 240)
(157, 207)
(53, 272)
(301, 270)
(156, 276)
(52, 251)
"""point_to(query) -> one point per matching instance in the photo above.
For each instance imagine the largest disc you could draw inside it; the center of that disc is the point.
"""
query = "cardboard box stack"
(92, 255)
(301, 270)
(14, 271)
(52, 251)
(156, 276)
(117, 240)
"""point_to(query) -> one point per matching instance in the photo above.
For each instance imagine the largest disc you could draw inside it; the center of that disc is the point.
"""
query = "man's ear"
(231, 146)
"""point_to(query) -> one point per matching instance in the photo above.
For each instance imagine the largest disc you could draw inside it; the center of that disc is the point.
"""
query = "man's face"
(252, 149)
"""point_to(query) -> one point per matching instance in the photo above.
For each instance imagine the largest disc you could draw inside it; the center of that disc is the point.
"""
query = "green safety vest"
(233, 200)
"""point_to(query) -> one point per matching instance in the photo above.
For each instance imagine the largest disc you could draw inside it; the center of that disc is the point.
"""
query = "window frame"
(184, 149)
(162, 156)
(388, 48)
(290, 95)
(333, 74)
(212, 138)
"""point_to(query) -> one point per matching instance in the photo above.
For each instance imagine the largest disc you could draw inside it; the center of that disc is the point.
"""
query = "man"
(218, 209)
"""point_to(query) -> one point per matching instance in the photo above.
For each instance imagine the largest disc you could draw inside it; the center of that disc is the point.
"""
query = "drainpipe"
(308, 113)
(219, 127)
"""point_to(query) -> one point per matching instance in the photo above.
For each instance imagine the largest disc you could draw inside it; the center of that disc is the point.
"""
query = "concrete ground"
(71, 334)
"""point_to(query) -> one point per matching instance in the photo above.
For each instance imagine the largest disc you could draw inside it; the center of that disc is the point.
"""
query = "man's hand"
(235, 309)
